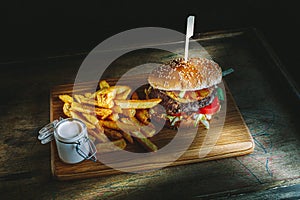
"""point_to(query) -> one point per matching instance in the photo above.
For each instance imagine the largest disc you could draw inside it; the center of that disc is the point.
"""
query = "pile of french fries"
(111, 114)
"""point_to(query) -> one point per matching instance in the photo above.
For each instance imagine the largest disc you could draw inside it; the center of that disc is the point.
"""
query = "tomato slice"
(211, 108)
(176, 114)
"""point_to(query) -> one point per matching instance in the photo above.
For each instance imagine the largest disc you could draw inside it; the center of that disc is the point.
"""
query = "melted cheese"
(190, 96)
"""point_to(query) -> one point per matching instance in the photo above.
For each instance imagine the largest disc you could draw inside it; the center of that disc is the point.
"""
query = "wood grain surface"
(234, 139)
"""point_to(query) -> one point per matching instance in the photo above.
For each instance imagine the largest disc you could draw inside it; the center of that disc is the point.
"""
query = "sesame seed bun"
(195, 74)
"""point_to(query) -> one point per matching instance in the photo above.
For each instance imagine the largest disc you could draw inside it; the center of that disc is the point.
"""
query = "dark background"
(48, 28)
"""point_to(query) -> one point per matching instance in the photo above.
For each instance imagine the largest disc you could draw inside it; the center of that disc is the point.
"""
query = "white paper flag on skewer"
(189, 33)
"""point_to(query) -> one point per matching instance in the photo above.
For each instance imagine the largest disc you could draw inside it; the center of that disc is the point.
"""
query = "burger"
(189, 92)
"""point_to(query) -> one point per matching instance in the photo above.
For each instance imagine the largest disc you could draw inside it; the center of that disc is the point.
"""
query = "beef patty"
(174, 107)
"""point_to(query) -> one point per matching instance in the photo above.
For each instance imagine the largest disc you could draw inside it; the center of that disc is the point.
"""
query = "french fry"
(143, 115)
(112, 134)
(66, 109)
(121, 143)
(127, 136)
(137, 104)
(129, 112)
(111, 146)
(80, 108)
(103, 84)
(93, 95)
(145, 142)
(105, 97)
(78, 116)
(103, 113)
(135, 120)
(122, 91)
(100, 111)
(84, 100)
(129, 129)
(98, 134)
(116, 109)
(100, 131)
(88, 95)
(109, 124)
(66, 98)
(126, 120)
(126, 125)
(89, 101)
(91, 118)
(136, 131)
(146, 130)
(78, 97)
(113, 117)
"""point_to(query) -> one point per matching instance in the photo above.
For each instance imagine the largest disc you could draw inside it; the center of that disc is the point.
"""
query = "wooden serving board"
(234, 140)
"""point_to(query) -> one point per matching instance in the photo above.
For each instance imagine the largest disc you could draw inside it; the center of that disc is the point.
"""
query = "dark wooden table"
(265, 95)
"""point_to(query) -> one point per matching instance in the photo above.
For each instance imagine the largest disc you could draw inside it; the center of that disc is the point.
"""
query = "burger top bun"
(195, 74)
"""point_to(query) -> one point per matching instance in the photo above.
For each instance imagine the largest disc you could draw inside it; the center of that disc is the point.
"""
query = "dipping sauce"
(69, 129)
